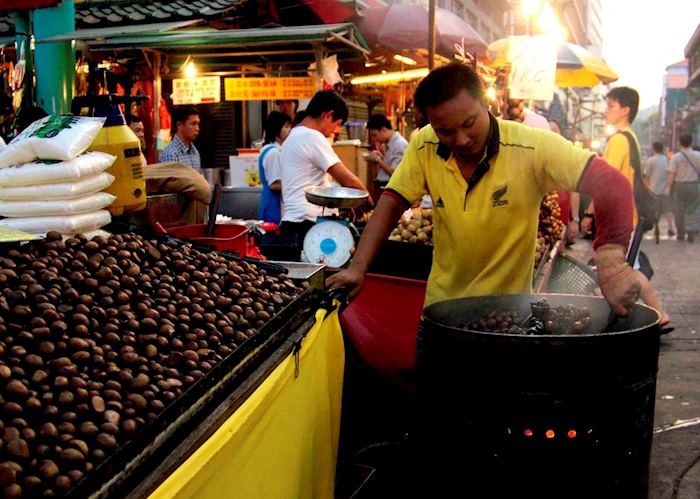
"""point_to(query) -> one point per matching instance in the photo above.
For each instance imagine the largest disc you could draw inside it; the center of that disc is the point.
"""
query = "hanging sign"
(269, 88)
(533, 69)
(202, 90)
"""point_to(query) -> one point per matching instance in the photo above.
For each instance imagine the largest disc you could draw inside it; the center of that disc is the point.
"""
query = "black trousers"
(686, 207)
(298, 229)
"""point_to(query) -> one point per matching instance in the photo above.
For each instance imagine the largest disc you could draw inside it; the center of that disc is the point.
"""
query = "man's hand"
(585, 225)
(618, 282)
(375, 156)
(572, 230)
(351, 278)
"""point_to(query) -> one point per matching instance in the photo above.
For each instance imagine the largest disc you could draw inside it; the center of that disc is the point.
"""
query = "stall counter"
(282, 441)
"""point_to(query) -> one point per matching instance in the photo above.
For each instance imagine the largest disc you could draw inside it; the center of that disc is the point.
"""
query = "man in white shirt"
(307, 157)
(395, 146)
(683, 176)
(656, 173)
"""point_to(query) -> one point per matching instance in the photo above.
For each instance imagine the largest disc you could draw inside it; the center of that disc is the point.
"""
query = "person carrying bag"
(683, 176)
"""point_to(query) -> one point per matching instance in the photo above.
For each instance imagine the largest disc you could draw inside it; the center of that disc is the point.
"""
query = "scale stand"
(332, 240)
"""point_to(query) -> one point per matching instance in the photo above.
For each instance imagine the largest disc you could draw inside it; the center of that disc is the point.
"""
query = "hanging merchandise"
(329, 70)
(118, 139)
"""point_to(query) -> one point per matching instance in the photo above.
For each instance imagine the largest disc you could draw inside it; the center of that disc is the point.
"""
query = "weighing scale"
(331, 240)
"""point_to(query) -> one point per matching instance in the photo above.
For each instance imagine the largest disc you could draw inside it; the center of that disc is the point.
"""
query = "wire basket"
(572, 277)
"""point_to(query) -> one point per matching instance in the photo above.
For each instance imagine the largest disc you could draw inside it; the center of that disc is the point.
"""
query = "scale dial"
(329, 243)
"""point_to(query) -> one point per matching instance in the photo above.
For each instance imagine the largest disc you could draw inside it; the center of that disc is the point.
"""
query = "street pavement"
(675, 459)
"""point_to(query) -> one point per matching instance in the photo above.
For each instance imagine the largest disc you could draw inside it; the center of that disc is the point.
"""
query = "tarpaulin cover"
(283, 441)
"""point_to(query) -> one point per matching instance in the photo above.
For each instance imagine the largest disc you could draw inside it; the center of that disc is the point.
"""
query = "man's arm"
(612, 193)
(381, 223)
(670, 178)
(345, 177)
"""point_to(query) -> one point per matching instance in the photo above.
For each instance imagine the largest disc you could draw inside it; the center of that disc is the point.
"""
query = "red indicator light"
(528, 432)
(571, 434)
(549, 434)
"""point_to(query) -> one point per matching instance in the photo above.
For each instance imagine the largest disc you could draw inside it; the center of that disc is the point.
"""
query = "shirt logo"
(497, 197)
(439, 203)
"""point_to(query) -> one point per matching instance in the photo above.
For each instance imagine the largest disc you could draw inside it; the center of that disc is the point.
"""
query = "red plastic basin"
(227, 237)
(382, 322)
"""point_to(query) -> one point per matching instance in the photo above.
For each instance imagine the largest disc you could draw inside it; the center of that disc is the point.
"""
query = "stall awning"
(112, 31)
(340, 37)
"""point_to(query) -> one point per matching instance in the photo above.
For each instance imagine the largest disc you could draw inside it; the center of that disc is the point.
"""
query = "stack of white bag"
(61, 191)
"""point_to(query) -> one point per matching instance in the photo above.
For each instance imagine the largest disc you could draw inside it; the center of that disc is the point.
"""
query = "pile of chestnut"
(98, 337)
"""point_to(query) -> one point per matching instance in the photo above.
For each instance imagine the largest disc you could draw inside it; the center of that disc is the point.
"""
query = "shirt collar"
(181, 145)
(492, 142)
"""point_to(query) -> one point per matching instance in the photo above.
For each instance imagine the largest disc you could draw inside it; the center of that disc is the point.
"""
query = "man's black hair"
(444, 83)
(132, 118)
(295, 101)
(626, 97)
(299, 117)
(686, 140)
(377, 122)
(328, 100)
(658, 146)
(273, 125)
(182, 113)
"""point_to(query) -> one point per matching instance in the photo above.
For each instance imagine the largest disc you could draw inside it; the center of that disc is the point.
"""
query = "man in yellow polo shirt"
(486, 178)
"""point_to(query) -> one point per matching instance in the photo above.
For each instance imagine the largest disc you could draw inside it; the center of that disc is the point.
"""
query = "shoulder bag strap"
(634, 154)
(691, 163)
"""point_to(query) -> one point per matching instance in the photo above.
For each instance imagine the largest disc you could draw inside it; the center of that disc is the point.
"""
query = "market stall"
(125, 353)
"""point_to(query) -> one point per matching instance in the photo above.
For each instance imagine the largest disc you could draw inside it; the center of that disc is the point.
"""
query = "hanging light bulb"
(190, 70)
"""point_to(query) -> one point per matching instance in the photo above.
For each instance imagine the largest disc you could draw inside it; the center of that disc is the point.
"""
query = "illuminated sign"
(269, 88)
(203, 90)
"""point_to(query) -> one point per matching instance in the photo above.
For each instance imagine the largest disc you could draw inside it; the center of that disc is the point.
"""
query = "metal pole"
(54, 62)
(318, 56)
(244, 118)
(157, 89)
(23, 36)
(431, 34)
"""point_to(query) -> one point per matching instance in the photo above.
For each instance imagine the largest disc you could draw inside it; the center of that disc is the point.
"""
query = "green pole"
(55, 61)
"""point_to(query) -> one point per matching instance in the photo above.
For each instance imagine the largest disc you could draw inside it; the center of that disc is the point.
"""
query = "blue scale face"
(329, 242)
(328, 246)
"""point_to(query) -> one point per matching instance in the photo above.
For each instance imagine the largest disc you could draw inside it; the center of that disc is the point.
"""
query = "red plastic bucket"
(382, 322)
(227, 237)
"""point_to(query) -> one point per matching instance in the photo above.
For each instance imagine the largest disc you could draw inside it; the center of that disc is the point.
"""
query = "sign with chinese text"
(269, 88)
(203, 90)
(533, 68)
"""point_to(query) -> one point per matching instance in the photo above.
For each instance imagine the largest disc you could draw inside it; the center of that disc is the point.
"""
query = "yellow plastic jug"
(129, 182)
(117, 139)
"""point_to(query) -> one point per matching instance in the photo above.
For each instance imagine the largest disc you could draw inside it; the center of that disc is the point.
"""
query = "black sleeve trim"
(583, 173)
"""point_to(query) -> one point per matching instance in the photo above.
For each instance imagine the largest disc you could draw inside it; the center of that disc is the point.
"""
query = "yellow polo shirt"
(617, 153)
(485, 241)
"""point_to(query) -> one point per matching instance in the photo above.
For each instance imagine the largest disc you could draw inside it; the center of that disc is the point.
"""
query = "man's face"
(287, 107)
(614, 113)
(381, 136)
(190, 128)
(137, 128)
(462, 123)
(329, 125)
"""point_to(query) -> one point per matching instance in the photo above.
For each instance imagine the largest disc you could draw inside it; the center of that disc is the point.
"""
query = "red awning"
(326, 11)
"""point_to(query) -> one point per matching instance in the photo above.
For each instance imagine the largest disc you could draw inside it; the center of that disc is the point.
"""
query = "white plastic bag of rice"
(61, 190)
(55, 137)
(36, 173)
(69, 224)
(84, 204)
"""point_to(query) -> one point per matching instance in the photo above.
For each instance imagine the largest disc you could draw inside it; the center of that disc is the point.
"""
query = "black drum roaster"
(553, 415)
